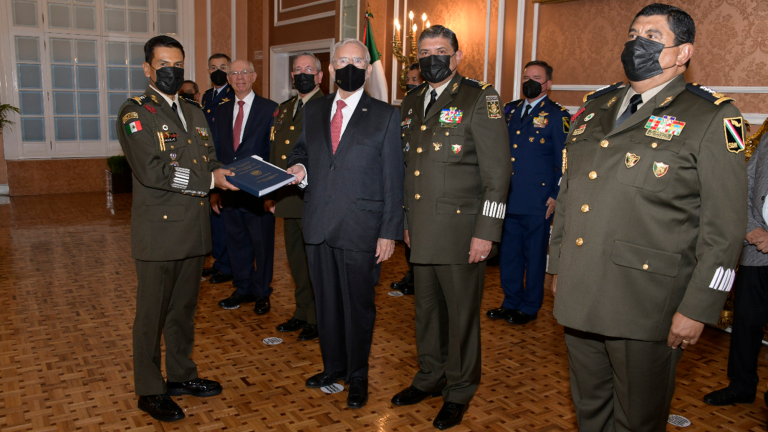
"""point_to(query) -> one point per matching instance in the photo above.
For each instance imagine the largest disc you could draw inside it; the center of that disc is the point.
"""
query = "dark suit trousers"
(250, 239)
(297, 261)
(523, 257)
(448, 328)
(620, 385)
(750, 314)
(219, 244)
(344, 283)
(166, 301)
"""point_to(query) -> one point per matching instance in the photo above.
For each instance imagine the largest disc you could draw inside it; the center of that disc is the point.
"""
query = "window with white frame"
(73, 64)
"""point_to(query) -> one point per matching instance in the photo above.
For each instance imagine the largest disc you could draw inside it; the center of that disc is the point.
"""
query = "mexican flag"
(132, 128)
(377, 82)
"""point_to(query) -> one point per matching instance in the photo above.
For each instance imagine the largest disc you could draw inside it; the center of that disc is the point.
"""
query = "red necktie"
(336, 122)
(238, 125)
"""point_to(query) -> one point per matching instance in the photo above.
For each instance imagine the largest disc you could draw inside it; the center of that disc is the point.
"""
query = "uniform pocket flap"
(165, 213)
(457, 205)
(372, 205)
(645, 259)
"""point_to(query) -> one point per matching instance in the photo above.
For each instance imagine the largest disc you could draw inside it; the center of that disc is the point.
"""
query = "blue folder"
(258, 177)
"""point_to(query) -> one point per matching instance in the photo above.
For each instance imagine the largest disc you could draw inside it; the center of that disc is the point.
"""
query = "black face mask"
(641, 59)
(218, 77)
(169, 79)
(531, 88)
(435, 68)
(304, 83)
(187, 95)
(349, 78)
(409, 87)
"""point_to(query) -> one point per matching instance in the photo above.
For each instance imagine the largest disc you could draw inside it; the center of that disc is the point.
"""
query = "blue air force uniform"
(536, 144)
(211, 98)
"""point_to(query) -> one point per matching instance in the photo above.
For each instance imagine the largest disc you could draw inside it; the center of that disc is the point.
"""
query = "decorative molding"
(487, 39)
(722, 89)
(535, 38)
(500, 44)
(519, 35)
(315, 3)
(4, 189)
(312, 17)
(393, 85)
(208, 28)
(233, 25)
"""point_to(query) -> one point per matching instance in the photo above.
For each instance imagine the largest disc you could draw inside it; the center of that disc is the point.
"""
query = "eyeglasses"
(236, 74)
(344, 61)
(307, 70)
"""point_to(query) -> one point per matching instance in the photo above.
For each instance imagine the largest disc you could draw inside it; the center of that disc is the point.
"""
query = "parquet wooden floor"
(67, 298)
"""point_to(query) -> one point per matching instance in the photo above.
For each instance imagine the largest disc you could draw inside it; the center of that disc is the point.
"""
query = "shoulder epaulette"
(601, 91)
(289, 100)
(416, 88)
(707, 93)
(139, 100)
(562, 108)
(208, 91)
(513, 103)
(475, 83)
(191, 101)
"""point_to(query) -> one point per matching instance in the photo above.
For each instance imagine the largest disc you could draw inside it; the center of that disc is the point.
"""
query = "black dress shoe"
(219, 278)
(262, 305)
(726, 396)
(408, 290)
(197, 387)
(161, 407)
(402, 283)
(500, 313)
(450, 415)
(235, 300)
(292, 324)
(411, 396)
(324, 379)
(358, 393)
(309, 333)
(517, 317)
(210, 271)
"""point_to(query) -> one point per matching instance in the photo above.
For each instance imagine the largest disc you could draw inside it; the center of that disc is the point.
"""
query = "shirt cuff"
(303, 184)
(213, 181)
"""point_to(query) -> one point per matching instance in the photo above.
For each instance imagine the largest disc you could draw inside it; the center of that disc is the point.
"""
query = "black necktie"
(634, 102)
(527, 110)
(432, 100)
(299, 104)
(176, 111)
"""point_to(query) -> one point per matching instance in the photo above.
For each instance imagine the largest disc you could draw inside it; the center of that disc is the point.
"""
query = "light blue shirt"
(532, 104)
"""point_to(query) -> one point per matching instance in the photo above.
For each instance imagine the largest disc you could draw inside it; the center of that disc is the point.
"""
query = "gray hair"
(308, 54)
(250, 64)
(343, 42)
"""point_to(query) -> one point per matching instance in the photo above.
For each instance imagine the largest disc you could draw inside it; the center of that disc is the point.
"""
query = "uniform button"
(446, 134)
(291, 127)
(202, 203)
(513, 159)
(417, 196)
(654, 145)
(416, 173)
(423, 127)
(579, 241)
(206, 144)
(604, 143)
(518, 132)
(645, 266)
(543, 184)
(584, 208)
(282, 157)
(287, 141)
(189, 141)
(402, 135)
(593, 175)
(165, 216)
(172, 147)
(574, 139)
(419, 150)
(514, 145)
(458, 211)
(194, 161)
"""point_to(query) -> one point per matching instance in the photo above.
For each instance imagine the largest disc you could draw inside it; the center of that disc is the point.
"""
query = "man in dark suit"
(349, 157)
(218, 65)
(241, 129)
(537, 129)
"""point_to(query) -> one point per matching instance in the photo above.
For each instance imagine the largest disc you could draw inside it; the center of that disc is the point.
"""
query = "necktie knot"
(241, 103)
(340, 104)
(527, 110)
(432, 99)
(635, 101)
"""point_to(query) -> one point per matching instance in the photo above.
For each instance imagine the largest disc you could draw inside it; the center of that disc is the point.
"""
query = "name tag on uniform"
(169, 136)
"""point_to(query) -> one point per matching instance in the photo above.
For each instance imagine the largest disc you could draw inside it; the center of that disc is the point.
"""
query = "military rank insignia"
(660, 168)
(631, 160)
(154, 99)
(734, 134)
(437, 146)
(456, 148)
(129, 116)
(450, 117)
(494, 107)
(578, 113)
(277, 111)
(203, 132)
(566, 125)
(405, 123)
(150, 108)
(133, 127)
(580, 130)
(663, 127)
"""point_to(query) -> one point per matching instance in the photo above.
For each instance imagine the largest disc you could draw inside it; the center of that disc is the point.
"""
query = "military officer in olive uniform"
(648, 226)
(168, 145)
(537, 128)
(456, 180)
(288, 202)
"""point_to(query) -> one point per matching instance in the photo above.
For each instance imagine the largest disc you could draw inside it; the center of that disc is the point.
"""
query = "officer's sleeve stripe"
(485, 208)
(730, 283)
(180, 178)
(723, 280)
(725, 285)
(716, 279)
(500, 213)
(493, 210)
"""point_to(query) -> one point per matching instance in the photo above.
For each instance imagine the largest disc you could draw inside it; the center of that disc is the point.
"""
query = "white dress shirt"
(428, 94)
(246, 110)
(170, 104)
(351, 101)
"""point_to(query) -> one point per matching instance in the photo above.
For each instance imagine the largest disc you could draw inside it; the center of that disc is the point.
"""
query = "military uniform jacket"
(285, 132)
(457, 170)
(651, 215)
(536, 144)
(171, 177)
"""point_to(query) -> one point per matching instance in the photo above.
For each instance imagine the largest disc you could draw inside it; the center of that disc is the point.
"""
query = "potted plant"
(119, 175)
(6, 109)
